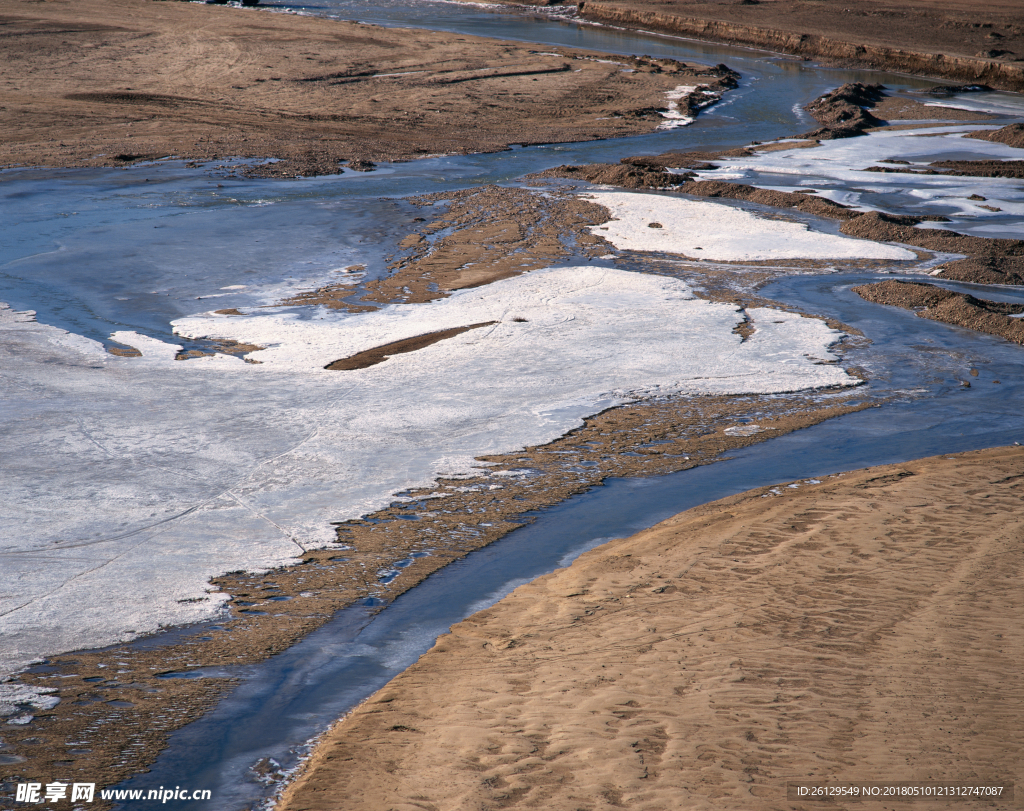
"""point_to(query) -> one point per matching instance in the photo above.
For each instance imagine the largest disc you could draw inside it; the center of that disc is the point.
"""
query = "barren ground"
(112, 82)
(959, 309)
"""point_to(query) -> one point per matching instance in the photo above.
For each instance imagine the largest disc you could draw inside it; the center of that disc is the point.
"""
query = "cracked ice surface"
(722, 233)
(837, 170)
(129, 482)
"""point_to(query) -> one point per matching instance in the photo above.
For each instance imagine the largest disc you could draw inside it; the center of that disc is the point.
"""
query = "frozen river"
(112, 464)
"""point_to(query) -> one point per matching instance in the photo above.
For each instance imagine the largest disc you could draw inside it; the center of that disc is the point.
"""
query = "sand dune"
(866, 627)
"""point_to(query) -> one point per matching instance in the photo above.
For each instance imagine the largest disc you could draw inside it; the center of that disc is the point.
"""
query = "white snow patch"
(140, 478)
(719, 232)
(837, 170)
(676, 117)
(743, 430)
(15, 697)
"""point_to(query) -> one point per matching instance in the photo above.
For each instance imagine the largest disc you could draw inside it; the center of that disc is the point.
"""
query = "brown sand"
(113, 82)
(870, 627)
(939, 304)
(960, 40)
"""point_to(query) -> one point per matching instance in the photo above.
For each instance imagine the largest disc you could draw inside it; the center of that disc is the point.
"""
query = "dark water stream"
(95, 251)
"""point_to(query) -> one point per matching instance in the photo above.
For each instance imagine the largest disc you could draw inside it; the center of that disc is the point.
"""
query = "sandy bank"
(950, 39)
(865, 627)
(113, 82)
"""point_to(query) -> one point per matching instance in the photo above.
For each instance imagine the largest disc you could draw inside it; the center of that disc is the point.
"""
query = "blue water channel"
(95, 251)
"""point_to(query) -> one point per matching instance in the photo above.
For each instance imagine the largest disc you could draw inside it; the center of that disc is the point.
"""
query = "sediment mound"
(946, 90)
(958, 309)
(1012, 134)
(617, 174)
(843, 112)
(986, 270)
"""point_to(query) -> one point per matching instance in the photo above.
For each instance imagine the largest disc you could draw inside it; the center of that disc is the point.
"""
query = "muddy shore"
(120, 695)
(863, 628)
(956, 40)
(116, 82)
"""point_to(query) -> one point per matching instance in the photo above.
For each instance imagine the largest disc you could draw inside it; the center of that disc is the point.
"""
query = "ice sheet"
(129, 482)
(722, 233)
(16, 698)
(837, 171)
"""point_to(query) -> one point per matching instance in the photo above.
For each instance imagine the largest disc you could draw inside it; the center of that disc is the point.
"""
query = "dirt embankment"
(958, 40)
(939, 304)
(115, 82)
(868, 627)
